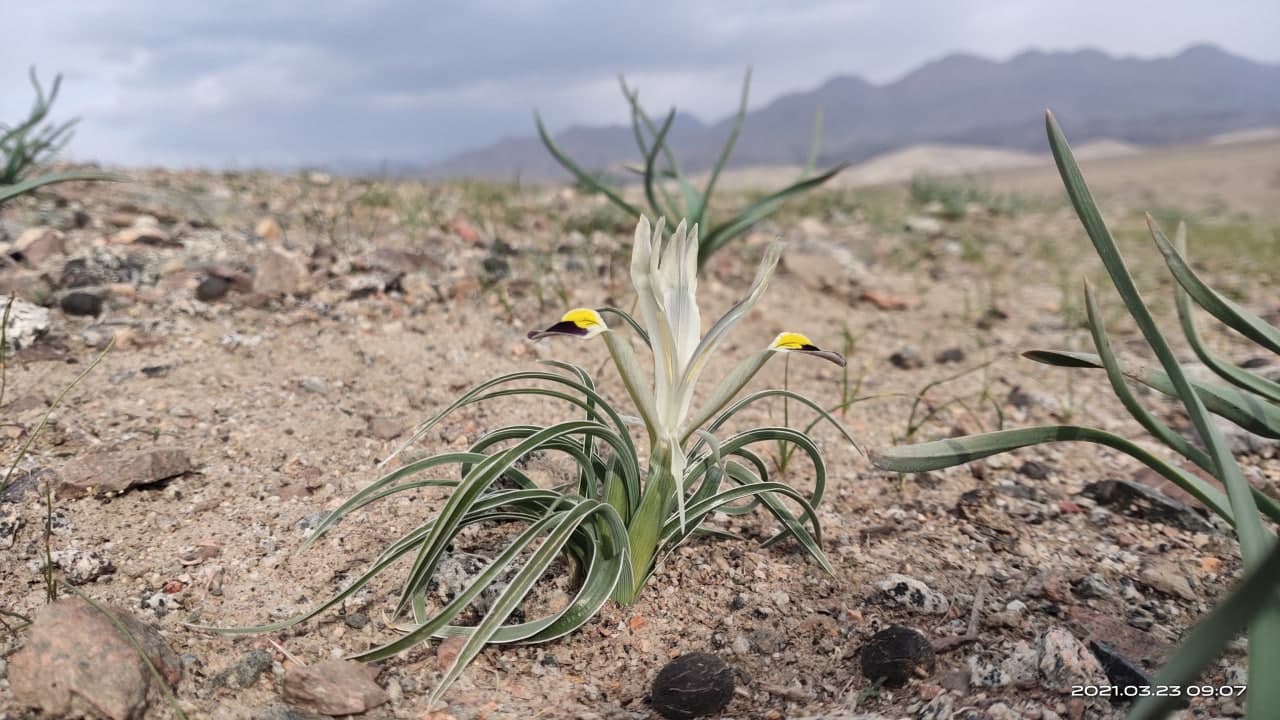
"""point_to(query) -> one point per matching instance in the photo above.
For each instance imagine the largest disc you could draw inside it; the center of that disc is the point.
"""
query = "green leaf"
(8, 192)
(698, 212)
(1161, 431)
(1240, 407)
(1239, 377)
(578, 173)
(946, 453)
(722, 235)
(1236, 317)
(1254, 539)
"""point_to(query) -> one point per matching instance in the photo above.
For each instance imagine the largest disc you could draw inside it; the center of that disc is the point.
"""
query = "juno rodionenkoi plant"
(628, 506)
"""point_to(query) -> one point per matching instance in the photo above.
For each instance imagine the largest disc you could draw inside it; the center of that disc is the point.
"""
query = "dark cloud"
(271, 82)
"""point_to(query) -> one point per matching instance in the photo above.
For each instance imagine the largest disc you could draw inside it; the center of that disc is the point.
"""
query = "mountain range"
(961, 98)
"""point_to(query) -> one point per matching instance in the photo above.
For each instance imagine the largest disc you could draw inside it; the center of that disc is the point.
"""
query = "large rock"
(280, 272)
(1065, 662)
(332, 687)
(37, 244)
(27, 322)
(106, 473)
(77, 662)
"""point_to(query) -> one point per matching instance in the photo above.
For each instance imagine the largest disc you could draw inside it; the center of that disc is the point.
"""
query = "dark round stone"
(81, 303)
(496, 268)
(212, 288)
(692, 685)
(897, 654)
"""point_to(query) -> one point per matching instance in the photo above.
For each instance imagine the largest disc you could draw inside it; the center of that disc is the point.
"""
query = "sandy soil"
(286, 404)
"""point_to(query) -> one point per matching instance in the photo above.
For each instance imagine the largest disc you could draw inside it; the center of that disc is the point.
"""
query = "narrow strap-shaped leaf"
(578, 173)
(474, 485)
(939, 454)
(823, 414)
(698, 213)
(1224, 309)
(629, 319)
(721, 235)
(673, 535)
(1237, 376)
(1239, 406)
(8, 192)
(640, 122)
(1162, 432)
(1254, 539)
(600, 585)
(650, 174)
(471, 396)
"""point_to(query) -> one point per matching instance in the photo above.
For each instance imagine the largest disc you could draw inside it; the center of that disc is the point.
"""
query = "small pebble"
(212, 288)
(81, 303)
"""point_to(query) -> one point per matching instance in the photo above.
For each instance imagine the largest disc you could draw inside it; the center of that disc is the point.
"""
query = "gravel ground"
(276, 337)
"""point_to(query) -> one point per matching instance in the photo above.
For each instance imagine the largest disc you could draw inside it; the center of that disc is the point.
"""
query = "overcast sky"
(233, 83)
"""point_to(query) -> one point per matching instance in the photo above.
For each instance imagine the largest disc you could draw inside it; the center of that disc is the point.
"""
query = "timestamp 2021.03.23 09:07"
(1136, 691)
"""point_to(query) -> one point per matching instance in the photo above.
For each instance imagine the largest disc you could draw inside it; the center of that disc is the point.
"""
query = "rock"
(212, 288)
(1166, 577)
(23, 282)
(903, 591)
(332, 687)
(76, 661)
(1092, 585)
(897, 654)
(27, 322)
(268, 229)
(1050, 585)
(888, 301)
(1034, 470)
(105, 473)
(385, 428)
(1064, 661)
(142, 235)
(931, 227)
(37, 244)
(1129, 641)
(245, 671)
(284, 712)
(908, 358)
(81, 304)
(10, 524)
(692, 685)
(466, 231)
(1120, 671)
(941, 707)
(1136, 499)
(811, 228)
(81, 566)
(496, 268)
(818, 271)
(950, 355)
(280, 272)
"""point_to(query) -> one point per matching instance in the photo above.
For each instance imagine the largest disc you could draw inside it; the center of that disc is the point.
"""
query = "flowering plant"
(615, 520)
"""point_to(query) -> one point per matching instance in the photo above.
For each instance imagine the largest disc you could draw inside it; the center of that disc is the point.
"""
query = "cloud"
(274, 82)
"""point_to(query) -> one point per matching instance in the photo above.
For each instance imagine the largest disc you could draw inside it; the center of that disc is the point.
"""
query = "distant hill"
(960, 99)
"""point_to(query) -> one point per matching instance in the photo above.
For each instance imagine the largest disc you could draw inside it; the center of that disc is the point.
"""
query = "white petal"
(679, 288)
(717, 332)
(644, 266)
